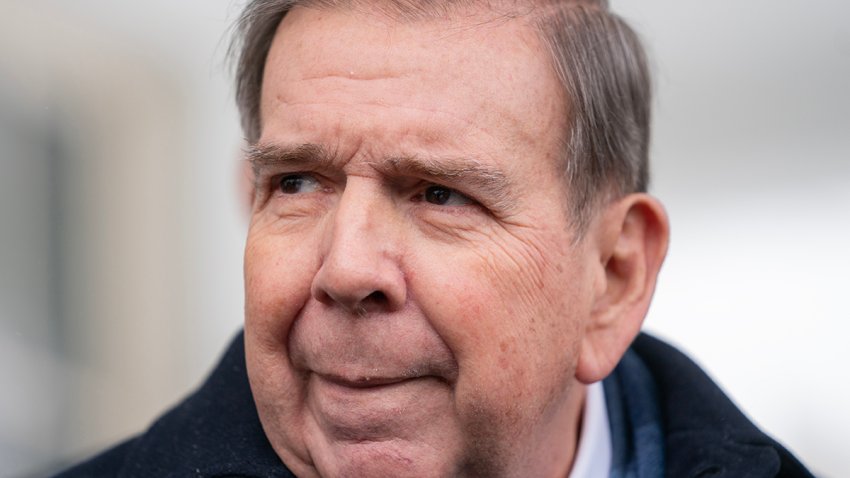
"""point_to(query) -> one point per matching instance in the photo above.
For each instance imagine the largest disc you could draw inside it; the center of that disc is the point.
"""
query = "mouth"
(362, 408)
(367, 382)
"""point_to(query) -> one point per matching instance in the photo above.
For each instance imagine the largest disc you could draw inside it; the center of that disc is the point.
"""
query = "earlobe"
(630, 241)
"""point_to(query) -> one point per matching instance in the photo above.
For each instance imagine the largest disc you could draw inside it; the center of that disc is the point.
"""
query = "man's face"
(415, 301)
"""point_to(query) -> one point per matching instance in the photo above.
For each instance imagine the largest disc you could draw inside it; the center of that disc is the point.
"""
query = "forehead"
(480, 69)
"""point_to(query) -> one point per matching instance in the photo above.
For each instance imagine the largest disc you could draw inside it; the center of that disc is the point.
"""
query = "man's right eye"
(298, 184)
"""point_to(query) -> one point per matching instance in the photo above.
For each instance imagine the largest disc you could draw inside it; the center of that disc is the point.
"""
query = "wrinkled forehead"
(485, 70)
(479, 38)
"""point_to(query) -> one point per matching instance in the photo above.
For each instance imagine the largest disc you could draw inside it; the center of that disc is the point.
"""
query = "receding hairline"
(536, 16)
(411, 10)
(539, 15)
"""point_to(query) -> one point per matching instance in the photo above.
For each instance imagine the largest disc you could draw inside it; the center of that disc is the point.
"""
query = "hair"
(596, 56)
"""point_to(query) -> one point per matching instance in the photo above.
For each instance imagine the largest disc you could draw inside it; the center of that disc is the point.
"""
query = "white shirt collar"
(593, 454)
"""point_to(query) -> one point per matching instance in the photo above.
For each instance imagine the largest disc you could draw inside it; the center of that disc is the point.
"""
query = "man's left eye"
(443, 196)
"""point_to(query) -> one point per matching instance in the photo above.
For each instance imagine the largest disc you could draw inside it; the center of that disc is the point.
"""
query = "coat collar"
(705, 433)
(214, 432)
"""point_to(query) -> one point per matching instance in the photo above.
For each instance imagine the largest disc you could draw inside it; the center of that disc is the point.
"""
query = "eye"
(443, 196)
(298, 184)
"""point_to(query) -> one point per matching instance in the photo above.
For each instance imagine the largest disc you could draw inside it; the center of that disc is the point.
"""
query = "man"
(450, 255)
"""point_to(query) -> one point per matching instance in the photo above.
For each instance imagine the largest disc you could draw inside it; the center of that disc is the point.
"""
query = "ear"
(628, 242)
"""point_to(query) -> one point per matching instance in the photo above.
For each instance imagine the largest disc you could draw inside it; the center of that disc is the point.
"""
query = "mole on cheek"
(504, 357)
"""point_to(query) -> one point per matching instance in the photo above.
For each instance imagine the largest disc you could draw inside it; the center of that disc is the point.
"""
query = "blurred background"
(122, 219)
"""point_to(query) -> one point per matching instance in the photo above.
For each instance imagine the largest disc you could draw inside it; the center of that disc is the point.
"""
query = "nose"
(360, 269)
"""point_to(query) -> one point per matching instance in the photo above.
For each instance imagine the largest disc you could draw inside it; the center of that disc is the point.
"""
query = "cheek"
(516, 366)
(520, 288)
(278, 273)
(511, 310)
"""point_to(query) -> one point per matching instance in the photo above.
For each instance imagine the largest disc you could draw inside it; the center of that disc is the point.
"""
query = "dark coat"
(216, 431)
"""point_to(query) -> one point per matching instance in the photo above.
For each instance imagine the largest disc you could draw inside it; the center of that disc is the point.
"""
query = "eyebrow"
(308, 154)
(452, 171)
(455, 171)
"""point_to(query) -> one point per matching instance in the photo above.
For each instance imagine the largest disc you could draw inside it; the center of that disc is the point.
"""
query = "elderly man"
(450, 256)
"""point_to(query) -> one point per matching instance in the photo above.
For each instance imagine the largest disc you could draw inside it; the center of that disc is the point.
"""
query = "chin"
(390, 459)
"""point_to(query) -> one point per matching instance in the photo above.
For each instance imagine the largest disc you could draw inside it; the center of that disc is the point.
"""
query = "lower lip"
(362, 412)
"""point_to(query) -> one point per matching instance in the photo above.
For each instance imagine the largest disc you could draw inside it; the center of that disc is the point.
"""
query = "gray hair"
(597, 57)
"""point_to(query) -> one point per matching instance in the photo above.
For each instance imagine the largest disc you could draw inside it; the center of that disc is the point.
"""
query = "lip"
(364, 382)
(370, 408)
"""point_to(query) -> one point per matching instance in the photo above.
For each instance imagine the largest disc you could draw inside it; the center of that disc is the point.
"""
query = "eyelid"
(267, 182)
(273, 172)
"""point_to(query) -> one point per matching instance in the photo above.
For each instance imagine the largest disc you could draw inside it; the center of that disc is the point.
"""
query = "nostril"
(374, 302)
(377, 297)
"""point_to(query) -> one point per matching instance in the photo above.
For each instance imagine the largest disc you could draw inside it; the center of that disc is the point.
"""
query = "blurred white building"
(121, 220)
